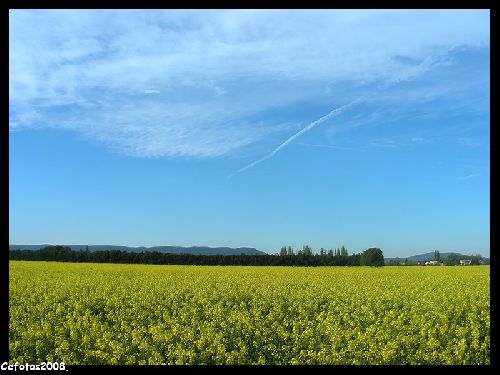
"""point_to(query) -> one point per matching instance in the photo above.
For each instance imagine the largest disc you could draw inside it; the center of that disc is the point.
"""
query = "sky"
(260, 128)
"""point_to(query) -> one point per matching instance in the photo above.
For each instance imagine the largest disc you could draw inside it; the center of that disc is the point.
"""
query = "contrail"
(335, 112)
(421, 68)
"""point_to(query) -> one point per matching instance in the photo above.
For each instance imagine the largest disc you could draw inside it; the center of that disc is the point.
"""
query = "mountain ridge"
(201, 250)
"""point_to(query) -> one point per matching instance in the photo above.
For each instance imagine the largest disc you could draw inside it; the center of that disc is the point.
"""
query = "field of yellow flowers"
(151, 314)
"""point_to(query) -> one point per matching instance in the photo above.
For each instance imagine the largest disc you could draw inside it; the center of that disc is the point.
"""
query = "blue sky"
(251, 128)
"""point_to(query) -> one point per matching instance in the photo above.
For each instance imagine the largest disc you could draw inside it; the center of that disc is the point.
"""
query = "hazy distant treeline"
(452, 259)
(286, 257)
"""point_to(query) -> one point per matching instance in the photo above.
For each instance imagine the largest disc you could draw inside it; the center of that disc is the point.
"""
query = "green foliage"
(142, 314)
(454, 259)
(372, 257)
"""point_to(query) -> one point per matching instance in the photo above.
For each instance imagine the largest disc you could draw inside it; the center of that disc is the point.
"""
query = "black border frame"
(148, 4)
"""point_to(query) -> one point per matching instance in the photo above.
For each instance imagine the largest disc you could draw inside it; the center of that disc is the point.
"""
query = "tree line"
(286, 257)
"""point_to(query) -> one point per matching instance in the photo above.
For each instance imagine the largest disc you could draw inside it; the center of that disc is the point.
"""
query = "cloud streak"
(312, 125)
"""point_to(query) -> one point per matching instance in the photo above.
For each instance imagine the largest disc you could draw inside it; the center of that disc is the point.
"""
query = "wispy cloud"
(419, 140)
(404, 75)
(197, 83)
(467, 177)
(384, 143)
(327, 146)
(470, 142)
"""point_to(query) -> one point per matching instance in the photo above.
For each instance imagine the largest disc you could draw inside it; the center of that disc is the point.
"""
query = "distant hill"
(427, 256)
(200, 250)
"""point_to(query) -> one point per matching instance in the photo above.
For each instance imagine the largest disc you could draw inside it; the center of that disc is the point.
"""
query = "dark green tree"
(307, 251)
(372, 257)
(343, 251)
(283, 251)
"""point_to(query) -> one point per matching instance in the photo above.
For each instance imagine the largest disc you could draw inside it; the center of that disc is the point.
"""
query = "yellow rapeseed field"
(145, 314)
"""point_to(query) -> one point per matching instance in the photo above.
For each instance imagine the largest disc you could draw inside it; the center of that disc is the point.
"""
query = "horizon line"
(241, 247)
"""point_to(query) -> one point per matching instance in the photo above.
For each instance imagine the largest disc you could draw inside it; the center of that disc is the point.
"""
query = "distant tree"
(372, 257)
(437, 255)
(307, 251)
(394, 262)
(452, 260)
(283, 251)
(475, 259)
